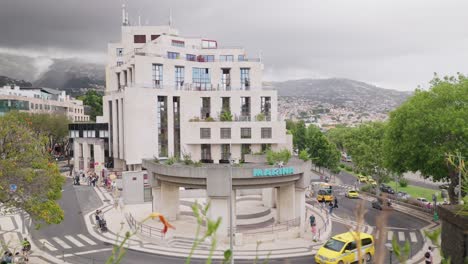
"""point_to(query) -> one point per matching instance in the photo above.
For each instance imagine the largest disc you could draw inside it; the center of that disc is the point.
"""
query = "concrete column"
(76, 155)
(166, 200)
(86, 156)
(99, 154)
(286, 205)
(300, 208)
(220, 208)
(170, 126)
(268, 198)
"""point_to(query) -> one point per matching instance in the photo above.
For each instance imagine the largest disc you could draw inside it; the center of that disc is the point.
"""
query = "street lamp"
(390, 249)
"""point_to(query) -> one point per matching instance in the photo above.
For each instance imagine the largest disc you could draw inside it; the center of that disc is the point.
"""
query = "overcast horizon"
(391, 44)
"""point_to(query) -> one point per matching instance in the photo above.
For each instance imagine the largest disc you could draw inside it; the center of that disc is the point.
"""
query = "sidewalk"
(178, 242)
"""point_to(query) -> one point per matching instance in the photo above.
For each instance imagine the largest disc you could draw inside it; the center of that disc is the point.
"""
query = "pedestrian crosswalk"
(66, 242)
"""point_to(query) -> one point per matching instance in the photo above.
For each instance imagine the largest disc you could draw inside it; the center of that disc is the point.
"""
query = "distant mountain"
(340, 92)
(4, 80)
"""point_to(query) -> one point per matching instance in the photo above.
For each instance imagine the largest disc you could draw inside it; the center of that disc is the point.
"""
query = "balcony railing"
(185, 87)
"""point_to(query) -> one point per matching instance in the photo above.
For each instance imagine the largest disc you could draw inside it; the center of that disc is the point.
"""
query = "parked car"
(380, 205)
(371, 181)
(403, 195)
(352, 194)
(362, 178)
(422, 199)
(387, 189)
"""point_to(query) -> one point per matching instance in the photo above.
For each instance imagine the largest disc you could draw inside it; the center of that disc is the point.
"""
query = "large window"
(173, 55)
(205, 133)
(207, 58)
(245, 149)
(201, 78)
(178, 43)
(245, 109)
(179, 77)
(176, 111)
(226, 78)
(206, 107)
(265, 107)
(245, 78)
(225, 132)
(225, 152)
(226, 58)
(225, 104)
(266, 132)
(206, 153)
(153, 37)
(162, 126)
(246, 132)
(139, 38)
(191, 57)
(209, 44)
(157, 75)
(241, 58)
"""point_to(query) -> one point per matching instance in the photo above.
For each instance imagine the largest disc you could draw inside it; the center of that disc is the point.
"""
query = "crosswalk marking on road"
(401, 236)
(6, 223)
(74, 241)
(413, 237)
(389, 235)
(87, 240)
(61, 243)
(47, 245)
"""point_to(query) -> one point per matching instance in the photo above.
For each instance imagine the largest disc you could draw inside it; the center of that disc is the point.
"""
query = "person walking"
(330, 207)
(323, 202)
(429, 256)
(336, 203)
(26, 249)
(313, 227)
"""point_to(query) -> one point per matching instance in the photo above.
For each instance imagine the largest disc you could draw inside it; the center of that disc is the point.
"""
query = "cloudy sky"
(396, 44)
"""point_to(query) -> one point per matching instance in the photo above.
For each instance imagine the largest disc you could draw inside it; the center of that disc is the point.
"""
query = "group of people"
(331, 204)
(90, 177)
(8, 256)
(100, 221)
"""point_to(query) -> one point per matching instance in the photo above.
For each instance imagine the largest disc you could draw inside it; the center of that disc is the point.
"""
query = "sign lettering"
(273, 172)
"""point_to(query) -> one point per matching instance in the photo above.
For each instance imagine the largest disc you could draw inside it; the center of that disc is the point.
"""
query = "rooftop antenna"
(139, 20)
(124, 16)
(127, 20)
(170, 17)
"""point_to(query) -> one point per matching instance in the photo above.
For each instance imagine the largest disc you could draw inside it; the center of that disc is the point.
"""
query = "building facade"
(169, 95)
(41, 100)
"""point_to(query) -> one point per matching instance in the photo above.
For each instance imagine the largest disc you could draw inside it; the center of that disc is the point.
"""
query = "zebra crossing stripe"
(401, 236)
(74, 241)
(370, 229)
(413, 237)
(46, 244)
(61, 243)
(389, 235)
(86, 239)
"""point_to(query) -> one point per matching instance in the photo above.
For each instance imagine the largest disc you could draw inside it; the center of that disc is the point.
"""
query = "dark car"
(387, 189)
(379, 204)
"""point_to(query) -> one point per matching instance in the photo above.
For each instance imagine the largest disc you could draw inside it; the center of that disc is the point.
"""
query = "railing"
(208, 87)
(145, 230)
(270, 229)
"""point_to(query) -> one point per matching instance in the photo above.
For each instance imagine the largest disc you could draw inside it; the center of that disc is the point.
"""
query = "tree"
(365, 145)
(93, 99)
(25, 163)
(322, 152)
(339, 135)
(427, 126)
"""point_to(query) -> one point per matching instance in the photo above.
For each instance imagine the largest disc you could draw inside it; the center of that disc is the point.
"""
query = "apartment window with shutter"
(225, 133)
(139, 38)
(266, 132)
(205, 133)
(178, 43)
(246, 132)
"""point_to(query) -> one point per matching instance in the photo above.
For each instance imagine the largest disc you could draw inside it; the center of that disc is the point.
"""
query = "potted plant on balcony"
(260, 117)
(225, 116)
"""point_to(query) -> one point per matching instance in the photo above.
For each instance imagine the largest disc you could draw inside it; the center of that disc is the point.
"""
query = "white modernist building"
(169, 95)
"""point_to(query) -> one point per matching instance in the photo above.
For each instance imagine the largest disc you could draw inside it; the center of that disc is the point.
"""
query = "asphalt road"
(78, 200)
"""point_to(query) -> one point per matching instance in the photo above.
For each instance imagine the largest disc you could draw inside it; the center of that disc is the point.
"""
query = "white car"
(421, 199)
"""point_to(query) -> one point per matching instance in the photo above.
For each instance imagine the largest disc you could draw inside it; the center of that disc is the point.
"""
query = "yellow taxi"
(371, 181)
(343, 249)
(362, 178)
(352, 194)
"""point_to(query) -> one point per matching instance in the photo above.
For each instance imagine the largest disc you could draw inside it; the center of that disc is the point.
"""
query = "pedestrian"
(313, 227)
(4, 258)
(323, 202)
(330, 207)
(428, 255)
(336, 203)
(26, 249)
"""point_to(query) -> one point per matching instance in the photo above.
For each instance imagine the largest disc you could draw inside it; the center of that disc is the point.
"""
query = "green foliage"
(225, 116)
(339, 135)
(403, 182)
(322, 152)
(94, 100)
(275, 157)
(303, 155)
(402, 252)
(25, 162)
(209, 119)
(260, 117)
(155, 159)
(298, 130)
(197, 164)
(434, 236)
(194, 119)
(367, 188)
(426, 127)
(171, 161)
(342, 165)
(187, 158)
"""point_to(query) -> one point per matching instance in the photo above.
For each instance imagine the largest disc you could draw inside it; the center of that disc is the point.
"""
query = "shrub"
(187, 158)
(366, 188)
(197, 164)
(403, 182)
(348, 168)
(194, 119)
(342, 165)
(209, 119)
(155, 159)
(303, 155)
(225, 116)
(171, 161)
(260, 117)
(275, 157)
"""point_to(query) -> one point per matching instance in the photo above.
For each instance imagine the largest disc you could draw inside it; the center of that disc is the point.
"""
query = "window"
(139, 38)
(245, 149)
(157, 75)
(103, 133)
(209, 44)
(226, 58)
(205, 133)
(74, 133)
(176, 114)
(206, 153)
(179, 77)
(245, 109)
(191, 57)
(351, 246)
(241, 58)
(265, 147)
(226, 78)
(162, 126)
(173, 55)
(89, 133)
(225, 152)
(265, 107)
(207, 58)
(119, 52)
(246, 132)
(178, 43)
(225, 133)
(366, 241)
(266, 132)
(225, 104)
(119, 63)
(206, 107)
(153, 37)
(201, 78)
(245, 78)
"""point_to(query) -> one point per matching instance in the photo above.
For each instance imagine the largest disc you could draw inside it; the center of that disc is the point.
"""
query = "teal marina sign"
(273, 172)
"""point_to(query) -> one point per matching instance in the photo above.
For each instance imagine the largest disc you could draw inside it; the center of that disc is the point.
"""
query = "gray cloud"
(393, 43)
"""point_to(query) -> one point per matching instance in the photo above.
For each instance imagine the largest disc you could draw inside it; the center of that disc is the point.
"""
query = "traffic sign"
(13, 187)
